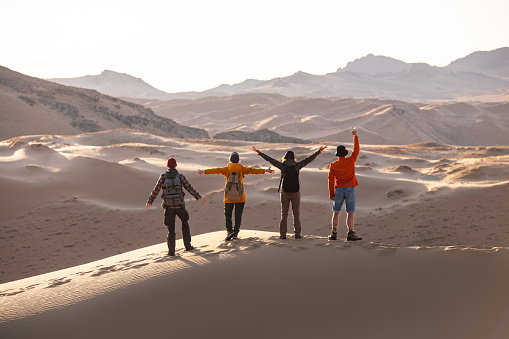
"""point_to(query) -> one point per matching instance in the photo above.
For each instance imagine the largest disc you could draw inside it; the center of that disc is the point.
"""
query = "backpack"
(173, 195)
(290, 180)
(233, 190)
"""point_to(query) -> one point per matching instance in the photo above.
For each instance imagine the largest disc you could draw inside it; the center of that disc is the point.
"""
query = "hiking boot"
(298, 236)
(352, 236)
(235, 237)
(229, 236)
(282, 236)
(171, 254)
(190, 248)
(333, 236)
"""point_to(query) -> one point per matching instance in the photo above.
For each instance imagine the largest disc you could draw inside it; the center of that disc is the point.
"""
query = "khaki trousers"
(286, 199)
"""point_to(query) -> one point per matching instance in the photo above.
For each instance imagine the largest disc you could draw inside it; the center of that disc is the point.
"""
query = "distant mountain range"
(475, 77)
(380, 122)
(31, 106)
(114, 84)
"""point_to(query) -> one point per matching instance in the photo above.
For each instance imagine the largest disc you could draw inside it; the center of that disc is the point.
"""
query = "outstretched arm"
(273, 161)
(312, 157)
(270, 171)
(155, 191)
(218, 170)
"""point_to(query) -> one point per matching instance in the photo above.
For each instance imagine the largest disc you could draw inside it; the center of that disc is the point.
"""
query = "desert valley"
(78, 246)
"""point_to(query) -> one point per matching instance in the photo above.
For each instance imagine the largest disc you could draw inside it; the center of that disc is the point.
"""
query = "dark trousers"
(169, 221)
(286, 199)
(228, 211)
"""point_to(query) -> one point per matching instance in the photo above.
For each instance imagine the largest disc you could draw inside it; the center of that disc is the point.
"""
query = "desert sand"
(262, 287)
(82, 257)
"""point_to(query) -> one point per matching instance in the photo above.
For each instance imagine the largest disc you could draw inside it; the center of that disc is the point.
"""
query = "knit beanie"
(234, 157)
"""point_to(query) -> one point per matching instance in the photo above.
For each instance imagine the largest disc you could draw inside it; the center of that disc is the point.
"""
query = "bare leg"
(335, 220)
(349, 220)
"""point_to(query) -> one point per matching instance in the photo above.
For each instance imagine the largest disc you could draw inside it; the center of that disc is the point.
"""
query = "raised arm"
(273, 161)
(312, 157)
(356, 146)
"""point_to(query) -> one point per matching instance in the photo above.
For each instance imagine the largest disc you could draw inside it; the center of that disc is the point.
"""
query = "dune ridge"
(258, 283)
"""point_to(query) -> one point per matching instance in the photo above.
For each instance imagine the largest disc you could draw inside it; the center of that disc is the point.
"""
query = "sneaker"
(352, 236)
(229, 236)
(282, 236)
(298, 236)
(190, 248)
(333, 236)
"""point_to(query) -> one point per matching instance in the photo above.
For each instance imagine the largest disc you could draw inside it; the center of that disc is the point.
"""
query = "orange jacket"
(342, 171)
(235, 167)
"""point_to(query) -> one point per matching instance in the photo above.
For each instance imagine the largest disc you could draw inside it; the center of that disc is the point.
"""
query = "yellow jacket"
(235, 167)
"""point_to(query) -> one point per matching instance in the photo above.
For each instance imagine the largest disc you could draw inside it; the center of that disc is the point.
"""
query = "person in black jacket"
(291, 188)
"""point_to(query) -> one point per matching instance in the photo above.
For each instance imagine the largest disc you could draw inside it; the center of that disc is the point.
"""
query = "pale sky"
(194, 45)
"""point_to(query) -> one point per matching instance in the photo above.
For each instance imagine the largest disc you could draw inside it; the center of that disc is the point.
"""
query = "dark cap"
(234, 157)
(341, 151)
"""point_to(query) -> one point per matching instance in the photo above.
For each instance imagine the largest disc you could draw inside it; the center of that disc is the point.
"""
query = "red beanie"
(172, 162)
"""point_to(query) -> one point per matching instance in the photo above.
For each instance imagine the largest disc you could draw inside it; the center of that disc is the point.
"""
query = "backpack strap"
(281, 180)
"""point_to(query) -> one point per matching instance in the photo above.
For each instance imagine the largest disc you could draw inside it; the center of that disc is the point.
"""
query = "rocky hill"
(115, 84)
(31, 106)
(263, 135)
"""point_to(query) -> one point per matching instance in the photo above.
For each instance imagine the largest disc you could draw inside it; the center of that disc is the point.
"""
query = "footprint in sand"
(58, 282)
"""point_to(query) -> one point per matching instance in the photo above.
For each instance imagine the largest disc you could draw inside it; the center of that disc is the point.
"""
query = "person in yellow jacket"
(234, 167)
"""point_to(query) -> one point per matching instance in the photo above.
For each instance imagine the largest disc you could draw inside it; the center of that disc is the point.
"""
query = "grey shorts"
(341, 195)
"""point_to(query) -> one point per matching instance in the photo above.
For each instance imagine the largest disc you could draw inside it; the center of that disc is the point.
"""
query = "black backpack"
(173, 195)
(290, 180)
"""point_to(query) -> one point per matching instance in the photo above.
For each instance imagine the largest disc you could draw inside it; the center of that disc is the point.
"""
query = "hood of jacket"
(172, 172)
(289, 162)
(234, 167)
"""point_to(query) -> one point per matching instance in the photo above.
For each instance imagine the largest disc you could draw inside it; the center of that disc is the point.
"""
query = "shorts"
(344, 194)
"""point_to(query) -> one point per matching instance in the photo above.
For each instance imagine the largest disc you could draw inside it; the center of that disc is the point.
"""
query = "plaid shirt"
(160, 184)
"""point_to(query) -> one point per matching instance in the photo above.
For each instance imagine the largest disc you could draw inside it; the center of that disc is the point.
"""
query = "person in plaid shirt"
(172, 209)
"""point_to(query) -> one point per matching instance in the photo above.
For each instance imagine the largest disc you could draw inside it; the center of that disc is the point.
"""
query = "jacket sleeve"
(189, 188)
(251, 170)
(306, 161)
(217, 170)
(356, 148)
(332, 183)
(156, 190)
(273, 161)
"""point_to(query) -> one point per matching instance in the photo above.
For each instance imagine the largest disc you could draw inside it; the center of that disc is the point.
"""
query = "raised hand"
(256, 150)
(200, 172)
(354, 132)
(322, 148)
(271, 171)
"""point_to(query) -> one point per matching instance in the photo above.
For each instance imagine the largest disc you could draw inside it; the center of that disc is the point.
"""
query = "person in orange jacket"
(342, 182)
(234, 167)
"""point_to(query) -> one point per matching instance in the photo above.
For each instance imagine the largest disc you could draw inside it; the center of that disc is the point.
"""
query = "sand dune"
(260, 286)
(82, 257)
(70, 200)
